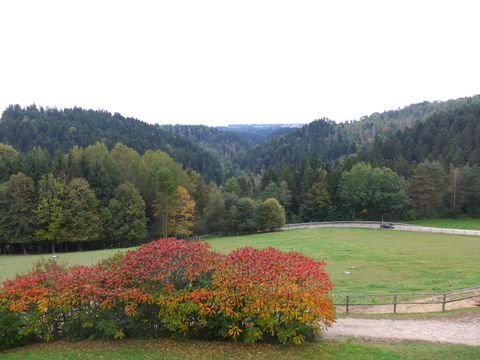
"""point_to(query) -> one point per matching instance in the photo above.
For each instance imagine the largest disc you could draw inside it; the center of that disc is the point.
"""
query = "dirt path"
(459, 331)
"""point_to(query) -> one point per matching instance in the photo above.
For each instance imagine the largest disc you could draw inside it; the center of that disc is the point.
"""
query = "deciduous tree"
(372, 191)
(50, 211)
(17, 204)
(215, 211)
(127, 214)
(183, 214)
(271, 215)
(247, 215)
(82, 217)
(471, 189)
(9, 161)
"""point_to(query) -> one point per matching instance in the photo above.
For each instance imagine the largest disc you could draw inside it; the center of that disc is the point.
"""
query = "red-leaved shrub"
(269, 293)
(177, 264)
(176, 287)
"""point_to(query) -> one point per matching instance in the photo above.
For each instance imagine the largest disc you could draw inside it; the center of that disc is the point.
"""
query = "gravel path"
(459, 331)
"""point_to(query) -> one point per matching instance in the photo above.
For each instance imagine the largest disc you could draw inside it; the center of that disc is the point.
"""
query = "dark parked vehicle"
(387, 226)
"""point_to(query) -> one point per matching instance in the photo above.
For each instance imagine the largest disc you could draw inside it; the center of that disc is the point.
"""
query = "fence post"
(395, 303)
(444, 301)
(346, 309)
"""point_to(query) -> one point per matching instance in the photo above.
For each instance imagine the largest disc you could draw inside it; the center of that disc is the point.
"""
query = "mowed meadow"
(378, 260)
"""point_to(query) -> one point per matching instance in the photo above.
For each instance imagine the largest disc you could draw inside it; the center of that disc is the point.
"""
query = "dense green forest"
(95, 196)
(328, 141)
(451, 137)
(59, 130)
(322, 139)
(226, 146)
(80, 178)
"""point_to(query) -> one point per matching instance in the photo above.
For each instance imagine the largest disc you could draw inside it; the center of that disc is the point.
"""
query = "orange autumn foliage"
(178, 287)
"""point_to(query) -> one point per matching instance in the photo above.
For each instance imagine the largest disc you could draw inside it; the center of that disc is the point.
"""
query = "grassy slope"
(169, 349)
(469, 224)
(384, 261)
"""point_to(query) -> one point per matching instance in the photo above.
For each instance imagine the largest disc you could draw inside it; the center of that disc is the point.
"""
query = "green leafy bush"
(12, 327)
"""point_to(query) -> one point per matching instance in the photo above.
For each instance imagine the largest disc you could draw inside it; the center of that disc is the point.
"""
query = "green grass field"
(11, 265)
(468, 224)
(169, 349)
(379, 261)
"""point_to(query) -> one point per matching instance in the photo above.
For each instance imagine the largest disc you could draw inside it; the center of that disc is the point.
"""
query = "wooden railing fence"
(391, 302)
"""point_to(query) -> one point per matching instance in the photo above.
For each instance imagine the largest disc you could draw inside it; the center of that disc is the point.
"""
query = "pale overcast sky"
(219, 62)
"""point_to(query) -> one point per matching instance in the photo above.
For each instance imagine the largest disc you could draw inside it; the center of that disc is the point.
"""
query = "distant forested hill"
(321, 139)
(450, 136)
(229, 143)
(225, 145)
(444, 131)
(387, 123)
(377, 135)
(259, 133)
(60, 130)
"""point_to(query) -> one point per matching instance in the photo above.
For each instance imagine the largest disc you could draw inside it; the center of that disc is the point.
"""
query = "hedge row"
(171, 287)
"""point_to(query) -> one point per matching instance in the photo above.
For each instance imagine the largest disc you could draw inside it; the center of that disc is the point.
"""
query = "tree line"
(95, 196)
(355, 190)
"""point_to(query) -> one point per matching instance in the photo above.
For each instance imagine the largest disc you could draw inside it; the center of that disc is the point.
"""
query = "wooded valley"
(76, 178)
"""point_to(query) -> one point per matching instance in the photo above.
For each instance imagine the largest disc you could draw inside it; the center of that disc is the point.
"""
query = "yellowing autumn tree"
(183, 217)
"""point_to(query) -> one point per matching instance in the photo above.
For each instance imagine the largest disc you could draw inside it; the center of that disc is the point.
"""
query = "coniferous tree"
(247, 186)
(428, 188)
(317, 205)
